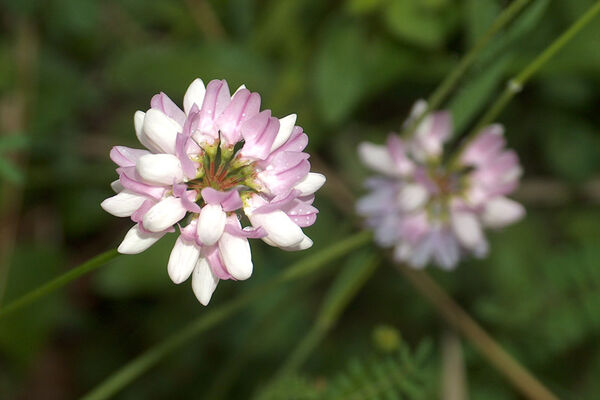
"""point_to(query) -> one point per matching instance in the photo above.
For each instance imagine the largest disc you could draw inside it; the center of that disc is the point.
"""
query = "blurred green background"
(73, 72)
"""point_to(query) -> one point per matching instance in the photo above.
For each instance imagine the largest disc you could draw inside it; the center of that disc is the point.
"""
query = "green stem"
(58, 282)
(449, 83)
(348, 283)
(255, 338)
(515, 85)
(456, 317)
(132, 370)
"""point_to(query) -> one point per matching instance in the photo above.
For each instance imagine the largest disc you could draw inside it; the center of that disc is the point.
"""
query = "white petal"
(235, 253)
(194, 95)
(116, 186)
(306, 243)
(310, 184)
(160, 169)
(501, 211)
(123, 204)
(211, 224)
(417, 109)
(137, 241)
(238, 89)
(160, 130)
(412, 196)
(402, 252)
(281, 230)
(376, 157)
(286, 127)
(204, 281)
(138, 123)
(512, 174)
(182, 260)
(467, 229)
(164, 214)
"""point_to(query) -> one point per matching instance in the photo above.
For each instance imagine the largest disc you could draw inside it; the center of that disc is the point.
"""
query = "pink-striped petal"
(163, 103)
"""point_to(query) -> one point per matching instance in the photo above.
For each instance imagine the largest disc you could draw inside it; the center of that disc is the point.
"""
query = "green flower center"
(223, 170)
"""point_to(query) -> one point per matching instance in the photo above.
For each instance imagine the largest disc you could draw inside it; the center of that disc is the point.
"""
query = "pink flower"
(205, 166)
(430, 212)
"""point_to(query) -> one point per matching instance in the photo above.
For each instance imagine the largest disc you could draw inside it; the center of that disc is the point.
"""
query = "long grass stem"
(456, 317)
(515, 85)
(138, 366)
(449, 83)
(58, 282)
(346, 285)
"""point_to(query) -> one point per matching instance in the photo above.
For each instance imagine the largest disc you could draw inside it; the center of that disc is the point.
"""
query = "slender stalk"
(456, 317)
(58, 282)
(345, 287)
(254, 340)
(454, 380)
(450, 82)
(515, 85)
(138, 366)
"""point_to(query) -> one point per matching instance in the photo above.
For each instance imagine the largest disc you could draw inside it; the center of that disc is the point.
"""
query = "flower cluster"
(205, 166)
(432, 210)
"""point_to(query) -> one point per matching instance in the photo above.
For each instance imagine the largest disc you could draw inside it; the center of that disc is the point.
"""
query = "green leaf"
(527, 21)
(340, 71)
(417, 22)
(472, 97)
(350, 66)
(478, 16)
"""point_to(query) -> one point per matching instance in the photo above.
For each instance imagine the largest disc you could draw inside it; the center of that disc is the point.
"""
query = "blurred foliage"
(351, 71)
(399, 374)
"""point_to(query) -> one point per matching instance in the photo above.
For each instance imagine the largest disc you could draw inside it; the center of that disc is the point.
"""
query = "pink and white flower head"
(205, 166)
(429, 211)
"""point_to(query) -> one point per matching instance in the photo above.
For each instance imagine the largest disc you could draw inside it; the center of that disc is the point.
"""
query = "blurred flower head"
(431, 210)
(203, 168)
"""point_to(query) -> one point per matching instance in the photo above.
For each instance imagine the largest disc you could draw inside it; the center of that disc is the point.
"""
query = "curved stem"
(254, 339)
(347, 284)
(515, 85)
(58, 282)
(449, 83)
(456, 317)
(132, 370)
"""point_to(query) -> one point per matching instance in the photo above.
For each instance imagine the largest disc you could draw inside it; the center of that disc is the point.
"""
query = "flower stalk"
(347, 285)
(58, 282)
(442, 92)
(456, 317)
(138, 366)
(515, 85)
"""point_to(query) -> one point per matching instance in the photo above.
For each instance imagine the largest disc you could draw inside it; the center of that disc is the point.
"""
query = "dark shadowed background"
(73, 72)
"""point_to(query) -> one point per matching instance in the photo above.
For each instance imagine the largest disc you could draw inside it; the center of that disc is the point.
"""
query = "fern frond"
(400, 375)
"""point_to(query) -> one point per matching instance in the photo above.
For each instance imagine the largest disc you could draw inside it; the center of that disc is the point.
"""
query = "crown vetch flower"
(203, 168)
(430, 211)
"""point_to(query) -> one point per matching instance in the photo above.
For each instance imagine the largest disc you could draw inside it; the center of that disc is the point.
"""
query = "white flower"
(201, 164)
